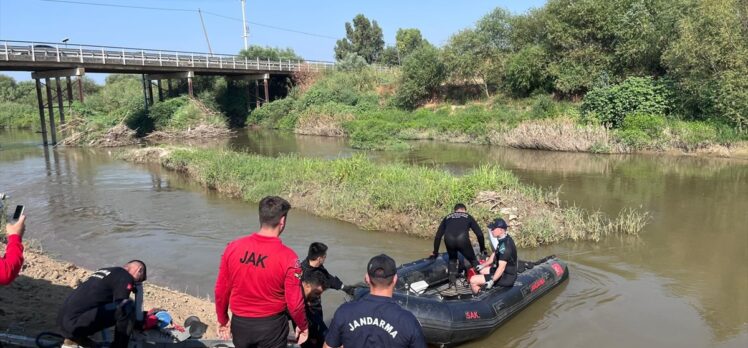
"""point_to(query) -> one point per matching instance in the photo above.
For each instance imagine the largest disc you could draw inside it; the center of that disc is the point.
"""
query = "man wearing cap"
(375, 320)
(454, 228)
(102, 301)
(501, 267)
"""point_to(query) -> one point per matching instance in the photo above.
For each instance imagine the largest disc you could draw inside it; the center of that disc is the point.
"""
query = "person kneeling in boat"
(501, 267)
(102, 301)
(454, 228)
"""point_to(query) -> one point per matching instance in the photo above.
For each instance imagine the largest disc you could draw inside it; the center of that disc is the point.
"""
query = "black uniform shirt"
(458, 223)
(107, 285)
(374, 321)
(507, 251)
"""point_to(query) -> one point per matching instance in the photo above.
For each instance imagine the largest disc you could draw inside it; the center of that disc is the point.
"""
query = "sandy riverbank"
(30, 304)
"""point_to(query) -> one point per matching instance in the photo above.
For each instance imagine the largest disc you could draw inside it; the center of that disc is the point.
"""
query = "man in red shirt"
(259, 280)
(10, 264)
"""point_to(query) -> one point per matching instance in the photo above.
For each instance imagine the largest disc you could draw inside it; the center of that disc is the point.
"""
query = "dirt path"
(30, 304)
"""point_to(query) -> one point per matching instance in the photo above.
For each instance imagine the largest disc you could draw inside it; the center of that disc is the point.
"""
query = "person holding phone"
(11, 262)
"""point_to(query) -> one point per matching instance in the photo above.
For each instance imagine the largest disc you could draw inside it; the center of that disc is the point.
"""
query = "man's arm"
(331, 281)
(499, 270)
(439, 235)
(294, 297)
(223, 289)
(10, 264)
(478, 233)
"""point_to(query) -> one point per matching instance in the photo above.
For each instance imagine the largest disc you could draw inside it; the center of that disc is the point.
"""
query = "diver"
(454, 228)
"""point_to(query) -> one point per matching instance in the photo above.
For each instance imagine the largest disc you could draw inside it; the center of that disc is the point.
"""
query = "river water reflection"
(683, 283)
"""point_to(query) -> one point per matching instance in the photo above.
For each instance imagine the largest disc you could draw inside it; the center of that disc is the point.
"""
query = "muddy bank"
(29, 305)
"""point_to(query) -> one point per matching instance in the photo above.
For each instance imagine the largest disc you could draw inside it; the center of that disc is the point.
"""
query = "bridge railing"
(28, 51)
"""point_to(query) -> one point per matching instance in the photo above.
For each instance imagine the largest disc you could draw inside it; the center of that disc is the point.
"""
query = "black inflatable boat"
(449, 317)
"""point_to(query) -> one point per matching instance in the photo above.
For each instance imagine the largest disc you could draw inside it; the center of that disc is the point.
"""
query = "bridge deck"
(34, 56)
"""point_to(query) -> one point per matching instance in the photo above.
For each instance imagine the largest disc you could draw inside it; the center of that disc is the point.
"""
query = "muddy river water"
(682, 283)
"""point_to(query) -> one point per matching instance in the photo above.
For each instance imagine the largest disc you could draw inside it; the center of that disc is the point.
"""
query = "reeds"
(392, 197)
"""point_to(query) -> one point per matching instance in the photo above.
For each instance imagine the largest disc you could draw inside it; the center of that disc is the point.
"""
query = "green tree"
(526, 71)
(363, 38)
(470, 60)
(267, 52)
(422, 74)
(390, 56)
(407, 41)
(708, 60)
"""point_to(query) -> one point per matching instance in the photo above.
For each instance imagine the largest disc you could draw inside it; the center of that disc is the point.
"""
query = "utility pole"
(200, 12)
(244, 24)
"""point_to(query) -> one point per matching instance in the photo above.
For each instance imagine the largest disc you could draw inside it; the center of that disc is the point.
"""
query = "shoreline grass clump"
(391, 197)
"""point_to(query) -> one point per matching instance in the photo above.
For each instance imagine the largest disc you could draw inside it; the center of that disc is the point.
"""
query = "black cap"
(497, 223)
(381, 266)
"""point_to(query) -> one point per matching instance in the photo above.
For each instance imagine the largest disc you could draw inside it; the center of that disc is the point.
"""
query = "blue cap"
(497, 223)
(164, 319)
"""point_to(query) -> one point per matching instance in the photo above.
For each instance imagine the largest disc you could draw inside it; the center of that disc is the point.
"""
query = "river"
(682, 283)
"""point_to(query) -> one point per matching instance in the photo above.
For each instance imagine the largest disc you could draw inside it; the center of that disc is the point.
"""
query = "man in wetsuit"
(313, 284)
(501, 268)
(454, 229)
(376, 320)
(315, 261)
(102, 301)
(259, 279)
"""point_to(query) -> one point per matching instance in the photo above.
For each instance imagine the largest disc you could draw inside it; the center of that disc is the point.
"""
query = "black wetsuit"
(454, 229)
(102, 301)
(315, 317)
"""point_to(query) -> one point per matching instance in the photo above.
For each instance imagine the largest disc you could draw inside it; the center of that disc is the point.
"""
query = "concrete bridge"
(48, 61)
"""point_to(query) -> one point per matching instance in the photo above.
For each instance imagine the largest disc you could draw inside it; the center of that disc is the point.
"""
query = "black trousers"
(317, 328)
(458, 242)
(119, 315)
(268, 332)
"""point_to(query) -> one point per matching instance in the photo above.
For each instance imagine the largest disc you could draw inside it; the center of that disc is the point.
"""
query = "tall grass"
(391, 197)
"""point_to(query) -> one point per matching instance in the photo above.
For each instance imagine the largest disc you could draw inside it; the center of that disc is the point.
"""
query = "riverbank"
(394, 197)
(30, 303)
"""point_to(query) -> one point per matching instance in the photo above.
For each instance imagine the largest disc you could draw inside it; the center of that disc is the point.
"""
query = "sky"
(179, 28)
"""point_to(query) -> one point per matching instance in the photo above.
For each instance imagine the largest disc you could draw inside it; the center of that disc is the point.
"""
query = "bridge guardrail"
(11, 50)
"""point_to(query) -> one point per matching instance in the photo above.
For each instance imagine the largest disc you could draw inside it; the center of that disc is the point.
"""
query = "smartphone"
(17, 214)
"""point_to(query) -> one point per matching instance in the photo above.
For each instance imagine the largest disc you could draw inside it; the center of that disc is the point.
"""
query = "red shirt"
(10, 265)
(259, 277)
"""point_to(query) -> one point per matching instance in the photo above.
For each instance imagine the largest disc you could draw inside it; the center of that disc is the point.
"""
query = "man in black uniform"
(454, 229)
(102, 301)
(313, 284)
(315, 261)
(375, 320)
(501, 267)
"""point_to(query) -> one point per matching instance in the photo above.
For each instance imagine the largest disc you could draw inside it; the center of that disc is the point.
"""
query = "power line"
(194, 11)
(121, 6)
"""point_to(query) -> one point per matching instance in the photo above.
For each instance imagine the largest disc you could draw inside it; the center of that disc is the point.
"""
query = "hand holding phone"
(17, 223)
(16, 215)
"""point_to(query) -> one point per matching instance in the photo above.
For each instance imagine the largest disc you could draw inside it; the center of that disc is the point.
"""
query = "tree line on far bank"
(689, 57)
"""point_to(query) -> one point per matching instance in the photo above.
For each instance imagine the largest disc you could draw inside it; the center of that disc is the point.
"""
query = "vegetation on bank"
(624, 75)
(394, 197)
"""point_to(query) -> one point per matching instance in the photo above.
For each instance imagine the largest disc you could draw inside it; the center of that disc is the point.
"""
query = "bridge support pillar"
(189, 75)
(160, 91)
(150, 93)
(70, 90)
(59, 101)
(50, 108)
(256, 79)
(267, 90)
(40, 100)
(47, 75)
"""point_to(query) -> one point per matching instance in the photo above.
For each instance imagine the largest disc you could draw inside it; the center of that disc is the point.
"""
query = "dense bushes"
(610, 105)
(422, 73)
